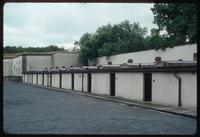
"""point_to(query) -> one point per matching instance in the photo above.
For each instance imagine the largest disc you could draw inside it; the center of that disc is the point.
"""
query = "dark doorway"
(60, 80)
(147, 86)
(72, 81)
(43, 79)
(112, 84)
(89, 82)
(37, 79)
(47, 79)
(32, 79)
(82, 82)
(50, 80)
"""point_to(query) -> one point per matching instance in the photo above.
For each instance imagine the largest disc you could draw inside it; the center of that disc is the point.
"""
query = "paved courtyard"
(31, 110)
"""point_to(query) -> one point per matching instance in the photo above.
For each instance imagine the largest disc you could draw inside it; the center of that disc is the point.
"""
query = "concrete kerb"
(129, 103)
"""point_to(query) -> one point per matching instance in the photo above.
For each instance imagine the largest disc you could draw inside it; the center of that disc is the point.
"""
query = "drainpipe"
(179, 89)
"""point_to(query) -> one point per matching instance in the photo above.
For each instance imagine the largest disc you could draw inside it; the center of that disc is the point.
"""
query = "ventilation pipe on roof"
(179, 89)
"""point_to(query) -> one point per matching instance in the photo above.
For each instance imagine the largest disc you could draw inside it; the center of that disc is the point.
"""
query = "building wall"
(100, 83)
(23, 77)
(149, 55)
(164, 89)
(39, 79)
(17, 66)
(66, 81)
(30, 78)
(189, 90)
(129, 85)
(46, 80)
(55, 80)
(65, 59)
(78, 81)
(7, 67)
(34, 78)
(85, 82)
(38, 62)
(26, 78)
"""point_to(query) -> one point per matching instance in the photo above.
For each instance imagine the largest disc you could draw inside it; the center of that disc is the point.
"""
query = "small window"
(194, 56)
(157, 59)
(109, 63)
(130, 60)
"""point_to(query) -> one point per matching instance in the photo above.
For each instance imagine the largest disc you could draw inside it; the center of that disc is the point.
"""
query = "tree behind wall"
(112, 39)
(178, 20)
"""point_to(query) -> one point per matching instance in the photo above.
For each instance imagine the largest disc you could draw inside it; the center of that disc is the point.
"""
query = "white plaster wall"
(29, 78)
(78, 81)
(34, 78)
(55, 80)
(164, 89)
(38, 62)
(45, 79)
(26, 78)
(129, 85)
(17, 66)
(100, 83)
(189, 90)
(184, 52)
(7, 67)
(39, 79)
(65, 59)
(66, 81)
(85, 82)
(23, 77)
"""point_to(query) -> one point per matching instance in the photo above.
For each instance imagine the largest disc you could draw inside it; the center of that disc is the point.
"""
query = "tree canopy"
(112, 39)
(178, 20)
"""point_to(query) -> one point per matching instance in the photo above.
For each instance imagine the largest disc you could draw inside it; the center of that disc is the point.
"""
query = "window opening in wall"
(194, 56)
(112, 84)
(109, 63)
(130, 60)
(147, 87)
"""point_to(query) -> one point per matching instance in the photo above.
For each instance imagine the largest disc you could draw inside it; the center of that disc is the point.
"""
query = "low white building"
(19, 63)
(7, 67)
(170, 83)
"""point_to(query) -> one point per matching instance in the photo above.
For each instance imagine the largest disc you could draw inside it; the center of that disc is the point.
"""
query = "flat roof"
(139, 68)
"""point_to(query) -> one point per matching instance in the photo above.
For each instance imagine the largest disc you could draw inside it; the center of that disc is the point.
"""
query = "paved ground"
(32, 110)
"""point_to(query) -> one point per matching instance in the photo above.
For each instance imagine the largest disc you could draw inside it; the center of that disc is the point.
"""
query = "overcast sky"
(44, 24)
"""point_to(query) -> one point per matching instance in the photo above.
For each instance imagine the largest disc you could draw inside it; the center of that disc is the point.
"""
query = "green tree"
(112, 39)
(178, 20)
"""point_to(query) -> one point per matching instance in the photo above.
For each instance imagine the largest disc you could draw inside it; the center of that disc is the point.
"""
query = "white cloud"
(42, 24)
